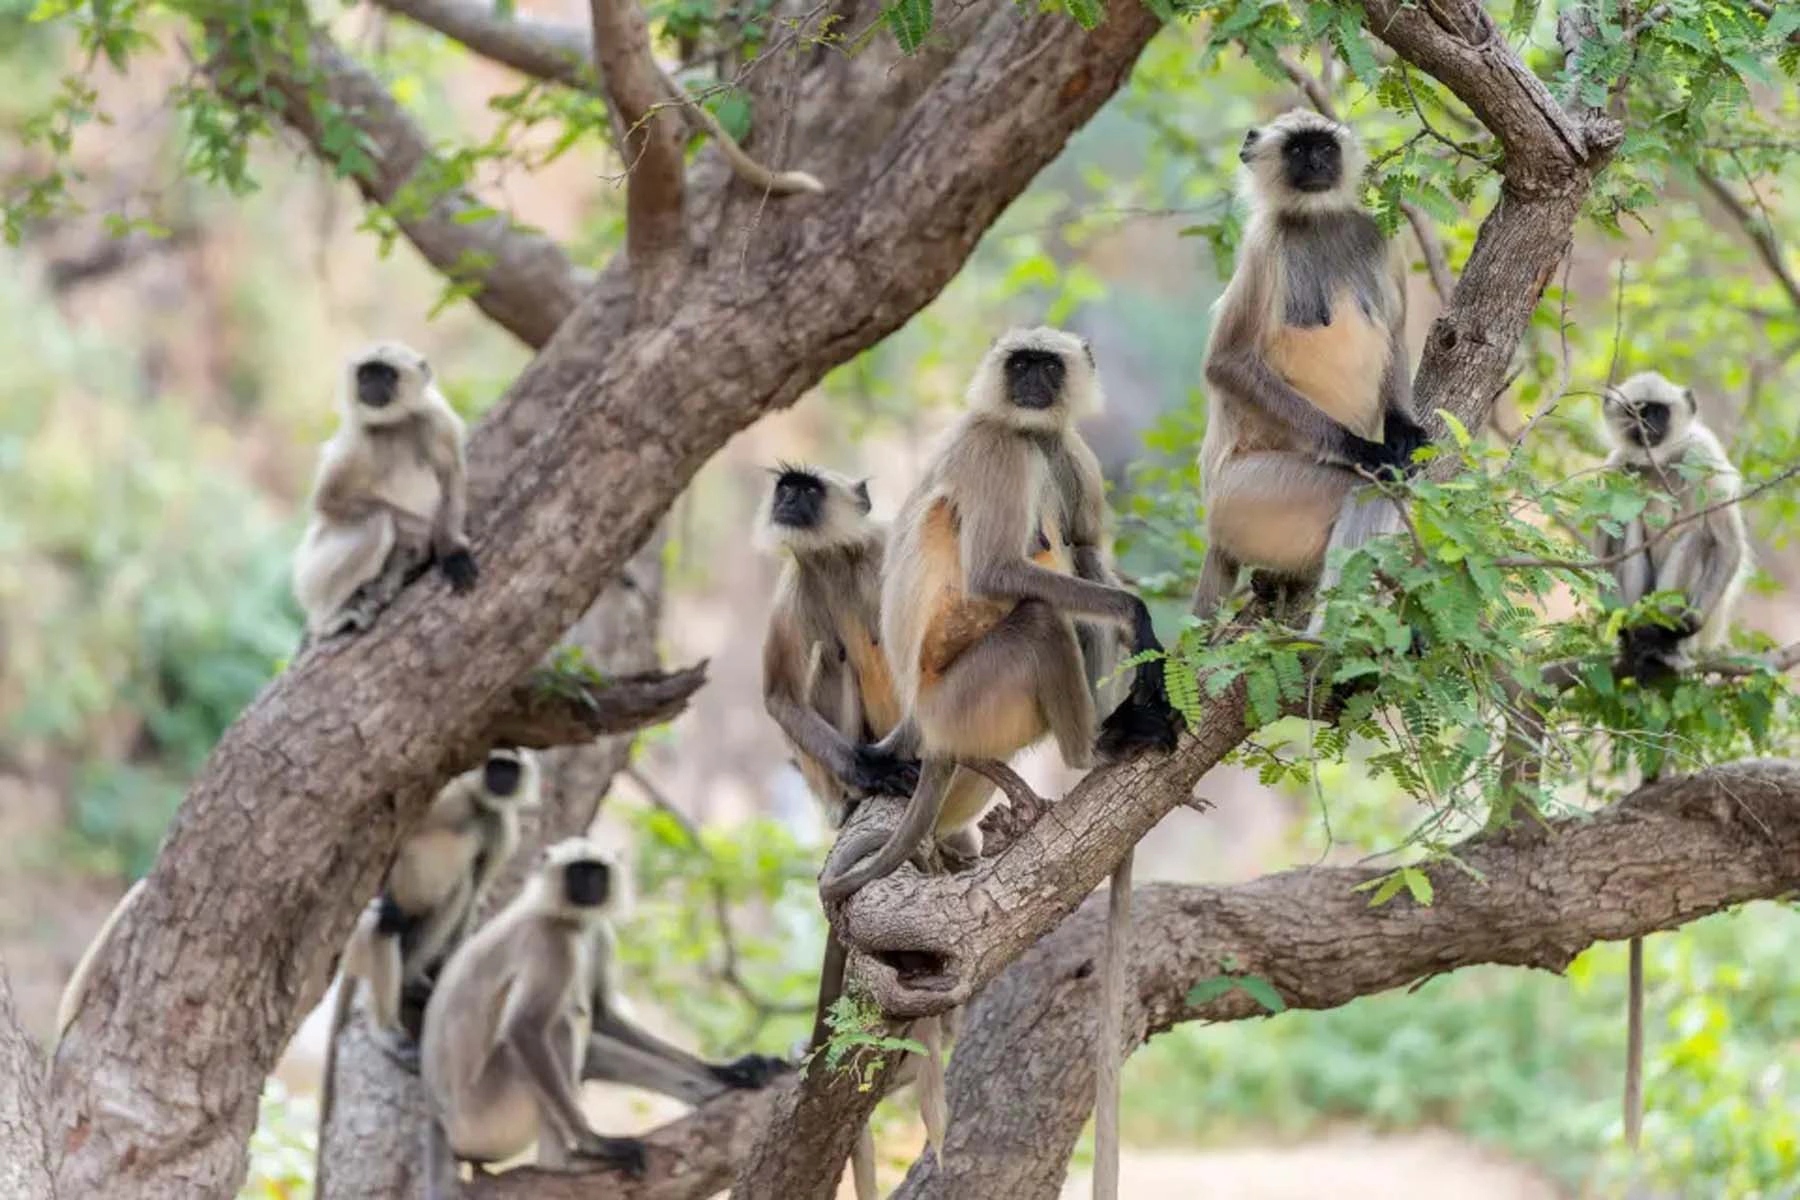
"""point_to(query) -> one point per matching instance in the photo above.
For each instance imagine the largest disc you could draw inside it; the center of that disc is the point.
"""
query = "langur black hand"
(750, 1071)
(1403, 436)
(1377, 458)
(627, 1154)
(459, 568)
(878, 773)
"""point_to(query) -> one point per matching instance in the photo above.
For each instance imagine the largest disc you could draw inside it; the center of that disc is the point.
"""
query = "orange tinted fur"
(1337, 366)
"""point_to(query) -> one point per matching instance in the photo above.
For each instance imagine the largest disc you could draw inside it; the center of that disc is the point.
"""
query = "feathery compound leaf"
(1087, 13)
(911, 22)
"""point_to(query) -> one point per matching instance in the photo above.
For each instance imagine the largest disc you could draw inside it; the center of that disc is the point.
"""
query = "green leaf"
(1458, 430)
(911, 22)
(1263, 992)
(1208, 990)
(1087, 13)
(1417, 883)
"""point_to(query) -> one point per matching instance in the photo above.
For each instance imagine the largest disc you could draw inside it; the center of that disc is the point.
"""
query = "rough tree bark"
(25, 1161)
(304, 798)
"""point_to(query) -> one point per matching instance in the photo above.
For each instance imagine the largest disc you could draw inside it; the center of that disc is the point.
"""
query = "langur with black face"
(390, 497)
(525, 1010)
(1308, 368)
(1691, 540)
(428, 904)
(998, 551)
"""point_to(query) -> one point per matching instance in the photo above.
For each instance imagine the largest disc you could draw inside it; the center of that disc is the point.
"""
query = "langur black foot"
(879, 773)
(459, 568)
(751, 1071)
(627, 1154)
(1145, 721)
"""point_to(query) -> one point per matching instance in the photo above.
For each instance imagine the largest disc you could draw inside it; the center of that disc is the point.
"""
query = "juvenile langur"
(1308, 367)
(997, 551)
(1657, 435)
(1690, 539)
(390, 495)
(524, 1010)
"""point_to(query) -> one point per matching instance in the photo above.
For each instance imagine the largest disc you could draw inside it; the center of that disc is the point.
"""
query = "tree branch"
(648, 138)
(1021, 1080)
(25, 1159)
(549, 708)
(562, 55)
(526, 283)
(1761, 236)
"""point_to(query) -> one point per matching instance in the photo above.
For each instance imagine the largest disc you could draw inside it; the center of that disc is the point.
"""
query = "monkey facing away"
(1657, 435)
(1690, 539)
(1308, 368)
(999, 549)
(390, 495)
(826, 680)
(524, 1010)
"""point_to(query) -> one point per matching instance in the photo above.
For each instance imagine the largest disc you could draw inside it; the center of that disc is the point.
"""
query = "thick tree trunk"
(25, 1160)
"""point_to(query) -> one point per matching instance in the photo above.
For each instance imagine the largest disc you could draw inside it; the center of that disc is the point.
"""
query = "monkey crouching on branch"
(390, 496)
(526, 1009)
(1308, 367)
(1689, 539)
(1001, 547)
(1704, 554)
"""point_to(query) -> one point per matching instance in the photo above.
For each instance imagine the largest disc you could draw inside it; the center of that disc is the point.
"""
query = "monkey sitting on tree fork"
(1308, 367)
(390, 497)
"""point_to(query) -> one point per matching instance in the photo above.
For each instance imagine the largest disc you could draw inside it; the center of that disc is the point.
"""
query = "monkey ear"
(1693, 405)
(862, 495)
(1249, 144)
(1087, 348)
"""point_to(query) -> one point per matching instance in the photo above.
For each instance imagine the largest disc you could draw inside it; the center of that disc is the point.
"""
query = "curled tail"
(934, 1101)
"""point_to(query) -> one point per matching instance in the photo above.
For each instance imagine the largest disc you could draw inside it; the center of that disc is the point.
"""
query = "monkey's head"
(1647, 412)
(578, 878)
(1038, 379)
(809, 509)
(387, 383)
(508, 777)
(1302, 162)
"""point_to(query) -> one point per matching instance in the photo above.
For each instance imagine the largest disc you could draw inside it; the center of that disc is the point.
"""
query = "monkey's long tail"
(934, 1102)
(862, 1165)
(1634, 1048)
(340, 1017)
(1112, 1021)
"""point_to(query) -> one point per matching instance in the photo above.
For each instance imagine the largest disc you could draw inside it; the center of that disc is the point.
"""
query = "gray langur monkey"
(390, 495)
(1690, 539)
(1657, 435)
(428, 903)
(526, 1009)
(827, 684)
(1308, 367)
(998, 551)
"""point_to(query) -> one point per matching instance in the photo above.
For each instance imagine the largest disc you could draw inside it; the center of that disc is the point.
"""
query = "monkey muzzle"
(797, 505)
(501, 775)
(587, 884)
(376, 383)
(1034, 378)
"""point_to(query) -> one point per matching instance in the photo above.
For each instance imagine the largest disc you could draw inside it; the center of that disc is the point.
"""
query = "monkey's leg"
(1218, 579)
(831, 986)
(612, 1061)
(1031, 653)
(1365, 515)
(889, 851)
(384, 981)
